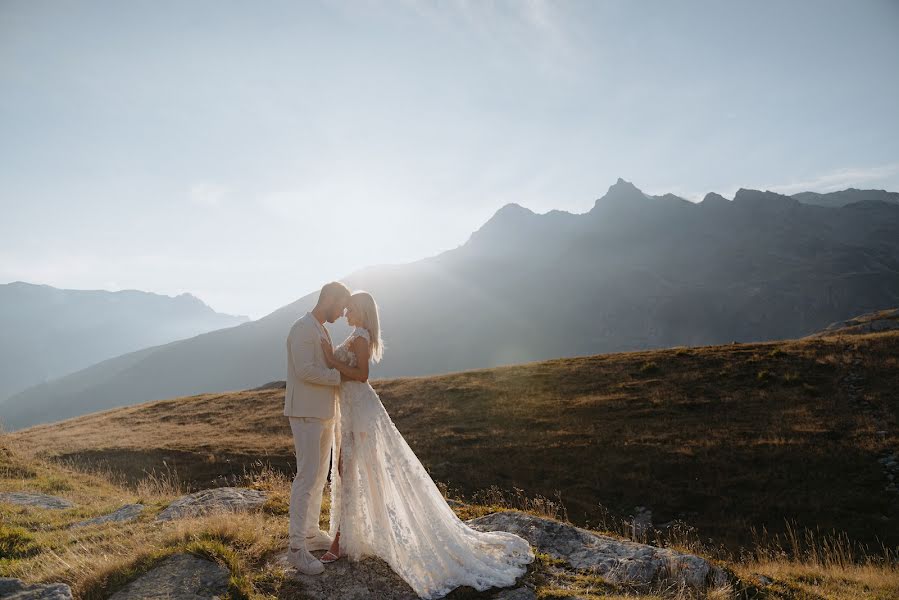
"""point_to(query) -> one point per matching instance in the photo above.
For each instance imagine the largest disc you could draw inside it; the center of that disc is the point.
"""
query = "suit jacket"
(311, 385)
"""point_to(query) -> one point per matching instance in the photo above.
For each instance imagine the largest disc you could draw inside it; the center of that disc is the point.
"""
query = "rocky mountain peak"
(714, 199)
(622, 192)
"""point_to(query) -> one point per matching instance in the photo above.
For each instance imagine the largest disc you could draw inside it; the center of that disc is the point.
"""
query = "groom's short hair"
(335, 289)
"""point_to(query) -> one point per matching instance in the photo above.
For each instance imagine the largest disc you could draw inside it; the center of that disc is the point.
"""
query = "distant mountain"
(635, 272)
(49, 332)
(845, 197)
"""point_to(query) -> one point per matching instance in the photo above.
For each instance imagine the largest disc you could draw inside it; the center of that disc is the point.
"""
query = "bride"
(384, 503)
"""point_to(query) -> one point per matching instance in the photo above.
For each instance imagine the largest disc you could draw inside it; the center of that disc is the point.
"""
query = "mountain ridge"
(622, 276)
(50, 332)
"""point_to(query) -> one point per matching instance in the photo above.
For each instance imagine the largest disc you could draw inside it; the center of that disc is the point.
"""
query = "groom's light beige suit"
(309, 403)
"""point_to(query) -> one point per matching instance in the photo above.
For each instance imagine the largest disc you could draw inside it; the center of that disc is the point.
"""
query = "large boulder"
(371, 578)
(16, 589)
(618, 561)
(36, 500)
(224, 499)
(178, 577)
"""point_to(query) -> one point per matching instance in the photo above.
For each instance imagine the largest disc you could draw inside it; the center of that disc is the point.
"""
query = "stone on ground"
(369, 578)
(178, 577)
(36, 500)
(618, 561)
(129, 512)
(16, 589)
(522, 593)
(224, 499)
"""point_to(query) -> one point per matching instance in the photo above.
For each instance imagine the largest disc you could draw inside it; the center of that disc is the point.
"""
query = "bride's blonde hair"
(366, 307)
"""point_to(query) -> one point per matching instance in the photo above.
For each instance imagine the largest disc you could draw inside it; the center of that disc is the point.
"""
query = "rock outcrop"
(618, 561)
(36, 500)
(370, 578)
(129, 512)
(178, 577)
(223, 499)
(16, 589)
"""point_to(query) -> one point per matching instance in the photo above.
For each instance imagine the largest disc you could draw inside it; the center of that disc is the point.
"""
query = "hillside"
(50, 332)
(635, 272)
(723, 438)
(65, 533)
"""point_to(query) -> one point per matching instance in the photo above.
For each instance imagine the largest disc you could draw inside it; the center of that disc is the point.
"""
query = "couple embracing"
(383, 502)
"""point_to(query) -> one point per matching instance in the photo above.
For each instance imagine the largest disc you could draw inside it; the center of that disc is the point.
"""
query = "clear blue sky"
(248, 151)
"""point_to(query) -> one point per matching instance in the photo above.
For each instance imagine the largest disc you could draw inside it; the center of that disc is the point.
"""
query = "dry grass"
(750, 452)
(724, 438)
(39, 546)
(97, 560)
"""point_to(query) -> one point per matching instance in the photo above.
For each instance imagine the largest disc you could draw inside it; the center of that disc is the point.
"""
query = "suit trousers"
(312, 440)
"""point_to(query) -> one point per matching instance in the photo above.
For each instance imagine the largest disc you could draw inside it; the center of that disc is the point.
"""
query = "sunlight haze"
(248, 152)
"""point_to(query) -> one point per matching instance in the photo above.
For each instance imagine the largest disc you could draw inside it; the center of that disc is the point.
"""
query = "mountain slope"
(637, 271)
(723, 438)
(49, 332)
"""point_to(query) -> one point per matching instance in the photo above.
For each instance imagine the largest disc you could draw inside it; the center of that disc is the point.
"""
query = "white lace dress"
(385, 504)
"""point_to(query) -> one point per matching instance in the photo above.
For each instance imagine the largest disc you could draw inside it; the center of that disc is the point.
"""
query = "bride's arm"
(359, 372)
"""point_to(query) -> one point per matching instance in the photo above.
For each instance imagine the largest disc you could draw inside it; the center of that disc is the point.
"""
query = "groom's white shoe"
(318, 541)
(304, 562)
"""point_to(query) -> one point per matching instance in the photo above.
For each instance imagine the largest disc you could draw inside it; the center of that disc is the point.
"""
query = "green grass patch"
(52, 484)
(16, 542)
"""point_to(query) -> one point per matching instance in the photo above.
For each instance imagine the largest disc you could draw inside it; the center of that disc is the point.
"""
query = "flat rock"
(129, 512)
(36, 500)
(223, 499)
(16, 589)
(522, 593)
(618, 561)
(369, 578)
(178, 577)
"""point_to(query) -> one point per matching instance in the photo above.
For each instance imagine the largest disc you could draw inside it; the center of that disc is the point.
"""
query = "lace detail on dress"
(385, 504)
(344, 352)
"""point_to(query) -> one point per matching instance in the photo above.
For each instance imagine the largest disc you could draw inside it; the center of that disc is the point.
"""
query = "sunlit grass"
(584, 439)
(38, 545)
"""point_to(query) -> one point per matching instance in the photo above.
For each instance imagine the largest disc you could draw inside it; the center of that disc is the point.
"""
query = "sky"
(247, 152)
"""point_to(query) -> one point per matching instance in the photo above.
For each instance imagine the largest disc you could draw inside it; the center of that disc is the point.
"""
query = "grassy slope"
(38, 545)
(725, 438)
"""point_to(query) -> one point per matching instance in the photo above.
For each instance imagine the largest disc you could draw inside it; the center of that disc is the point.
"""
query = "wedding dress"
(385, 504)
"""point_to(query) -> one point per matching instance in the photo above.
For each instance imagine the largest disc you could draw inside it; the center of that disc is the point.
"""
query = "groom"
(309, 404)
